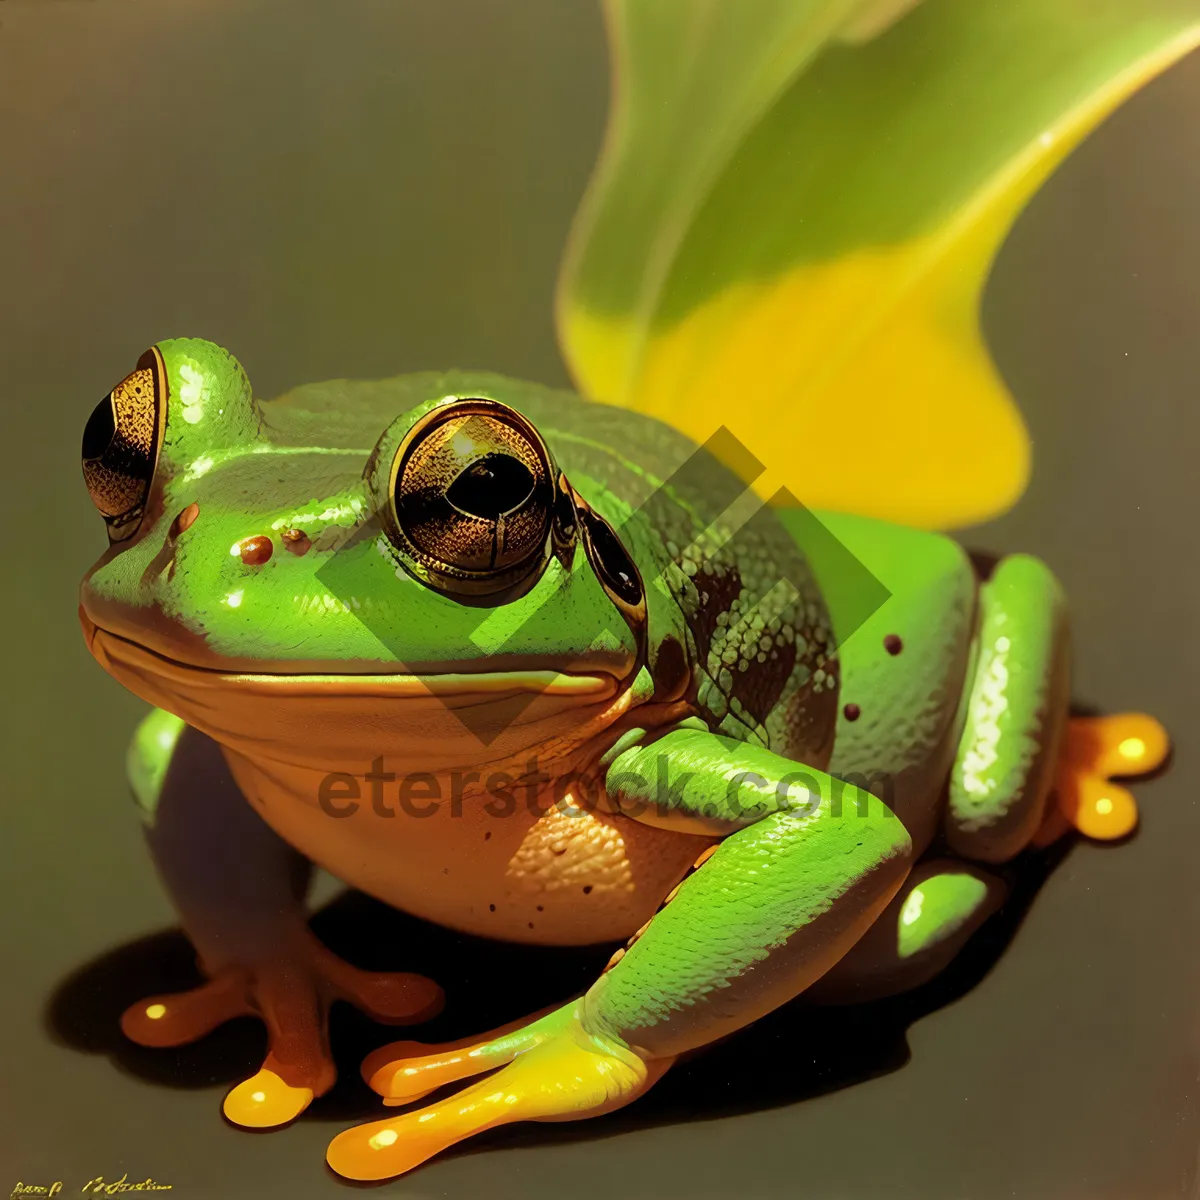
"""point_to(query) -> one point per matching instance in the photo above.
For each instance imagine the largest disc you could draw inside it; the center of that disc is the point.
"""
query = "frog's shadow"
(778, 1060)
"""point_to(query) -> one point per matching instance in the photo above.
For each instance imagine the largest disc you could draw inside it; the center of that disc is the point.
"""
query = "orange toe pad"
(264, 1101)
(1095, 751)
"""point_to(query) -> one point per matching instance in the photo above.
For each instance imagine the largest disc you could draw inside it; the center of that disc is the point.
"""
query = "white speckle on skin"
(191, 393)
(991, 701)
(912, 907)
(200, 466)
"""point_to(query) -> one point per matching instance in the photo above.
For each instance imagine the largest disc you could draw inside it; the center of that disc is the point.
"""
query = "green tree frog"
(474, 647)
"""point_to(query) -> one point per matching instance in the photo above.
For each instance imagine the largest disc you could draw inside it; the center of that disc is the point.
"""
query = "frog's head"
(351, 570)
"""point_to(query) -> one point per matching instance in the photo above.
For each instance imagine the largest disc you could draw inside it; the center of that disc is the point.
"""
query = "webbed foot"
(552, 1069)
(1095, 751)
(292, 994)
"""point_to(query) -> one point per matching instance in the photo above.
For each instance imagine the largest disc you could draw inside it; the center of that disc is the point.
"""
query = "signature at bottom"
(94, 1187)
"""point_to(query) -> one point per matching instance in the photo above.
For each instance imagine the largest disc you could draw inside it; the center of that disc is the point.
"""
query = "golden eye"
(121, 442)
(472, 498)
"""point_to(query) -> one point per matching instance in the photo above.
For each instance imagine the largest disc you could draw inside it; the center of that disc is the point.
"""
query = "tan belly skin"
(553, 875)
(534, 874)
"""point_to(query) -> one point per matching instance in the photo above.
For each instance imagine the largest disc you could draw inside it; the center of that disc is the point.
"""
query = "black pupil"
(491, 486)
(100, 429)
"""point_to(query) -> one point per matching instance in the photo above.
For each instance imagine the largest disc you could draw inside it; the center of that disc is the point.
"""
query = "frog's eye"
(617, 572)
(121, 442)
(473, 494)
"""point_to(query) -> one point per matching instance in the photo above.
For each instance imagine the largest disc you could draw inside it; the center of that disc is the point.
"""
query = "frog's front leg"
(240, 892)
(807, 866)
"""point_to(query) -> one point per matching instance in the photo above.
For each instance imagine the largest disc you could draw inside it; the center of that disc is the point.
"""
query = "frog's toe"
(299, 1065)
(294, 1003)
(182, 1017)
(556, 1071)
(389, 997)
(1097, 750)
(292, 995)
(402, 1072)
(265, 1100)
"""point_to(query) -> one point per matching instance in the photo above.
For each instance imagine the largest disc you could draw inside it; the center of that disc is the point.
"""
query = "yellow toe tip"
(372, 1152)
(1104, 811)
(1099, 749)
(1123, 744)
(265, 1101)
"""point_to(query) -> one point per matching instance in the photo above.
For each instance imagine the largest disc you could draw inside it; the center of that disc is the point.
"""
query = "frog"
(542, 670)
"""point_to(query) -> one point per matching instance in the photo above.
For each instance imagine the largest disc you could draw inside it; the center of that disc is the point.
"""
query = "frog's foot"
(1095, 751)
(553, 1069)
(292, 995)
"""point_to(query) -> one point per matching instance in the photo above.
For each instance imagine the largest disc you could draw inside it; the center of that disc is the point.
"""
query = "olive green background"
(366, 187)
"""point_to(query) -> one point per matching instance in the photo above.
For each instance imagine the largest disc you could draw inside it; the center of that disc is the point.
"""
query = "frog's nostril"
(183, 522)
(296, 540)
(255, 550)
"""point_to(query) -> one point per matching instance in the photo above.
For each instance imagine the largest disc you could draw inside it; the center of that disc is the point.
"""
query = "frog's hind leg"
(941, 904)
(1012, 720)
(1018, 747)
(1014, 715)
(945, 901)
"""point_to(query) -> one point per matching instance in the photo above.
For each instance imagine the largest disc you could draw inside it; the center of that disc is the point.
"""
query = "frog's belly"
(536, 874)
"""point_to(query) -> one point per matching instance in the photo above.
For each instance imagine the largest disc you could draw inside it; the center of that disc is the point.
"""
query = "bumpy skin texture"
(759, 798)
(796, 881)
(1010, 738)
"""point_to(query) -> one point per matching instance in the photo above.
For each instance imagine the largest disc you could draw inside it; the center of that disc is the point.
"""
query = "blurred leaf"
(795, 211)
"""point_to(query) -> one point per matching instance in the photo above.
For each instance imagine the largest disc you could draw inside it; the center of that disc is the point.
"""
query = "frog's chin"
(345, 722)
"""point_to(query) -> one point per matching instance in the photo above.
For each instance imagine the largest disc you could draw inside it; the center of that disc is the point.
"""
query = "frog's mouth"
(322, 718)
(120, 655)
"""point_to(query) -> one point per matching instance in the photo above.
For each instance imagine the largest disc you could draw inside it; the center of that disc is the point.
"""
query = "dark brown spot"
(183, 522)
(852, 712)
(255, 550)
(530, 924)
(296, 540)
(487, 837)
(670, 670)
(491, 908)
(892, 643)
(541, 908)
(587, 889)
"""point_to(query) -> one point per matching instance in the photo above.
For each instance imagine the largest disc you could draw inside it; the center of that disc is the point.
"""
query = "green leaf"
(795, 212)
